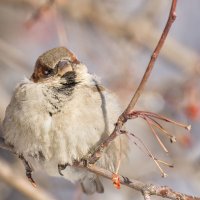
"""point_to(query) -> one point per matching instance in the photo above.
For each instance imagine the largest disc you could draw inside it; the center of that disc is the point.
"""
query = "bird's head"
(57, 65)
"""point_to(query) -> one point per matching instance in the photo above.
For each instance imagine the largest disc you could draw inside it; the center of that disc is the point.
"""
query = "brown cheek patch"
(37, 74)
(33, 78)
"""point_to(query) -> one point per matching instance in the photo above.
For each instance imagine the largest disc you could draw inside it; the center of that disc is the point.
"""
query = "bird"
(59, 115)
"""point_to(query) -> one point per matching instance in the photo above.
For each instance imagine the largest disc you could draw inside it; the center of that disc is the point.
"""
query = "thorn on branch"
(174, 16)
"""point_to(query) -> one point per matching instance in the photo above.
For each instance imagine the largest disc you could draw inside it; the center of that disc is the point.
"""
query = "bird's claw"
(29, 170)
(61, 167)
(33, 183)
(84, 162)
(126, 180)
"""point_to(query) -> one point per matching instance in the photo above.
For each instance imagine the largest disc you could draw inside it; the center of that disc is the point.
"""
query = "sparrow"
(59, 116)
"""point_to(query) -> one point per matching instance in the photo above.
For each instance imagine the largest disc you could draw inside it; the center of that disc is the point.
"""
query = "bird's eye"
(47, 71)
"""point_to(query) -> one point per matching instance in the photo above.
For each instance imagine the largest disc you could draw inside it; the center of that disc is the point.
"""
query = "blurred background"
(115, 39)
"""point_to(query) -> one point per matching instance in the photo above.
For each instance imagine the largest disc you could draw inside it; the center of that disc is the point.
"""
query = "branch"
(9, 176)
(141, 31)
(172, 17)
(124, 116)
(146, 189)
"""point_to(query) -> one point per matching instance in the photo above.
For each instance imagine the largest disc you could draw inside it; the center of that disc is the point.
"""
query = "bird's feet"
(62, 167)
(28, 169)
(84, 162)
(126, 180)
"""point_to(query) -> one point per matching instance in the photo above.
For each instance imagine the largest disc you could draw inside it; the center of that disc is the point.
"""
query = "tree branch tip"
(164, 175)
(189, 127)
(173, 139)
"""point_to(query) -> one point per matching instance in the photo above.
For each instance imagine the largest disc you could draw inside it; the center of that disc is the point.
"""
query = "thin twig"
(156, 135)
(149, 153)
(147, 150)
(158, 126)
(123, 117)
(172, 17)
(187, 127)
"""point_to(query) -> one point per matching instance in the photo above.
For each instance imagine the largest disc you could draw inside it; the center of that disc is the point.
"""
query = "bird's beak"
(62, 70)
(66, 66)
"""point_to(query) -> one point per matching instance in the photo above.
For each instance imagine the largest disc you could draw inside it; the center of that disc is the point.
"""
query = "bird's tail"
(90, 186)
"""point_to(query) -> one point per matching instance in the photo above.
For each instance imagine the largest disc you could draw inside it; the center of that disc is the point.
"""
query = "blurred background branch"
(8, 175)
